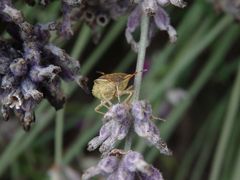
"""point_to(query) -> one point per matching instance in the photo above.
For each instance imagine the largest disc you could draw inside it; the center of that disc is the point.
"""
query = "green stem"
(227, 128)
(81, 42)
(59, 136)
(139, 69)
(141, 57)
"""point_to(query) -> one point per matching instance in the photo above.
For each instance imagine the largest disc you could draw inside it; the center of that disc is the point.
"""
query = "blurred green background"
(194, 84)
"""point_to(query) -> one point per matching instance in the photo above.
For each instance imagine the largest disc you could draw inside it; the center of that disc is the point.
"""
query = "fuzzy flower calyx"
(119, 164)
(159, 19)
(122, 117)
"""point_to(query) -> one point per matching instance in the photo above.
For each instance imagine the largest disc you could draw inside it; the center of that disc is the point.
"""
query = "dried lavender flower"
(144, 127)
(38, 73)
(116, 126)
(123, 165)
(31, 68)
(29, 90)
(19, 67)
(119, 119)
(105, 167)
(158, 19)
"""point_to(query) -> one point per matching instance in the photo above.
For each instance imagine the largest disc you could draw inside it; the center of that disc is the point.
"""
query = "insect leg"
(129, 92)
(118, 94)
(157, 118)
(129, 96)
(106, 100)
(102, 104)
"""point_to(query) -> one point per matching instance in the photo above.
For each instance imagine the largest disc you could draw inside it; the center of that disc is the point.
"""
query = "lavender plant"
(135, 115)
(32, 68)
(33, 71)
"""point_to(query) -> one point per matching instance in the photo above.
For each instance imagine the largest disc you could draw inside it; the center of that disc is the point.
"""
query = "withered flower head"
(158, 19)
(31, 68)
(144, 126)
(116, 126)
(122, 117)
(125, 165)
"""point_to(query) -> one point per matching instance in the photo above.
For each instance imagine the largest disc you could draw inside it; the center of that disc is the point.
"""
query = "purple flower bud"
(108, 164)
(123, 166)
(133, 161)
(52, 91)
(162, 21)
(9, 81)
(32, 53)
(104, 133)
(118, 112)
(116, 127)
(153, 174)
(65, 27)
(29, 90)
(19, 67)
(69, 67)
(4, 64)
(105, 167)
(123, 173)
(132, 25)
(150, 7)
(159, 19)
(39, 73)
(42, 31)
(145, 128)
(29, 105)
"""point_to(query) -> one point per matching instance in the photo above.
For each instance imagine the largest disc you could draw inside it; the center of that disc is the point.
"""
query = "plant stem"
(139, 68)
(59, 136)
(141, 56)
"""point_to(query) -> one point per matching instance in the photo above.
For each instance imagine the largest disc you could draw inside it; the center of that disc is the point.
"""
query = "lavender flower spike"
(116, 127)
(120, 165)
(105, 167)
(158, 19)
(144, 127)
(134, 165)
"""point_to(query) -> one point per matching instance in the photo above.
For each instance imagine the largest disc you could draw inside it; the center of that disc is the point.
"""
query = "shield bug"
(109, 86)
